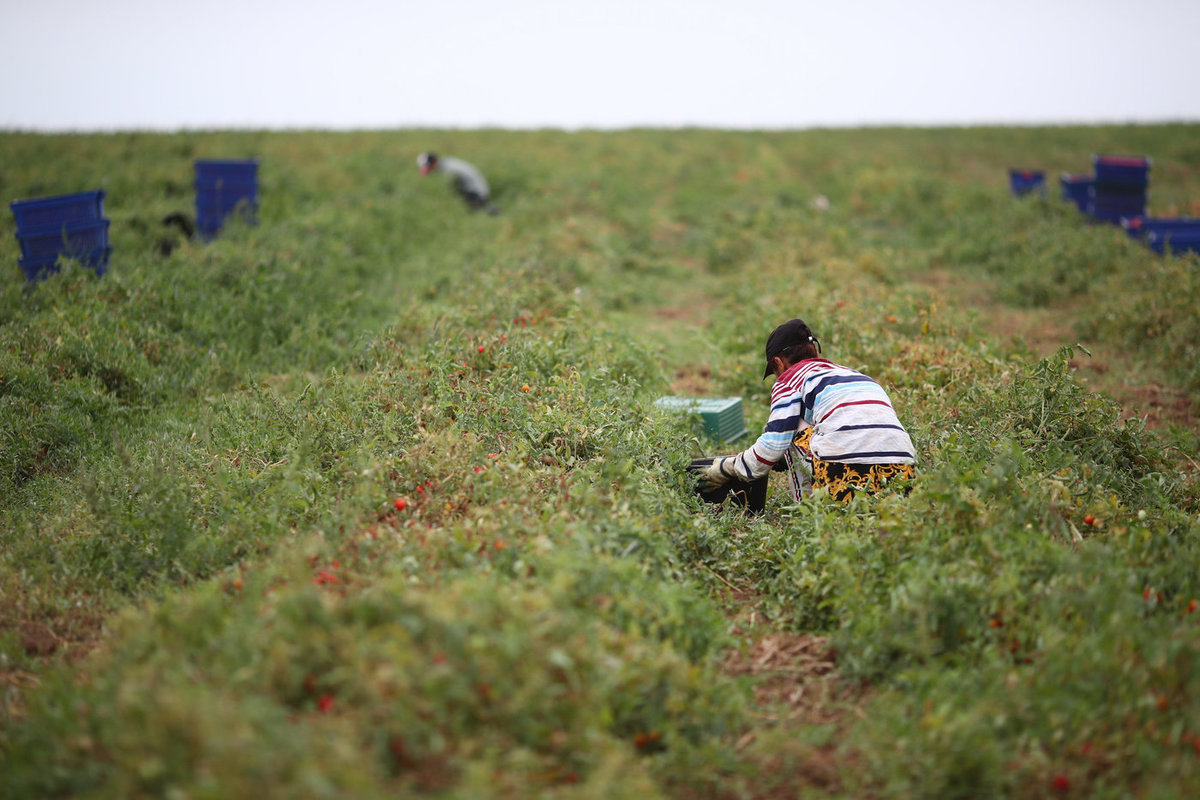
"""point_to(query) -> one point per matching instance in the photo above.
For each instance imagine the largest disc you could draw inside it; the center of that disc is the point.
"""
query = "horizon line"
(589, 128)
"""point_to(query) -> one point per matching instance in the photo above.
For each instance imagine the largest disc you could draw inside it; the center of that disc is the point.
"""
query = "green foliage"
(1155, 316)
(368, 685)
(372, 498)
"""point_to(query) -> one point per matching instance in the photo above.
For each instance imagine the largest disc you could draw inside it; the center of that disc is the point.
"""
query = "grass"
(372, 497)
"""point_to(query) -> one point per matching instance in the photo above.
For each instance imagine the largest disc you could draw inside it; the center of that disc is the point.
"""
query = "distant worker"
(835, 427)
(468, 181)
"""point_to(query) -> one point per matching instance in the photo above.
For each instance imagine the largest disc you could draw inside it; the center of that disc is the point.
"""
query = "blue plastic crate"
(1115, 214)
(1134, 205)
(1179, 242)
(38, 268)
(1076, 189)
(70, 238)
(1175, 233)
(1122, 170)
(39, 213)
(1170, 224)
(1113, 206)
(211, 170)
(1141, 227)
(209, 222)
(1025, 181)
(226, 196)
(1118, 191)
(223, 188)
(217, 212)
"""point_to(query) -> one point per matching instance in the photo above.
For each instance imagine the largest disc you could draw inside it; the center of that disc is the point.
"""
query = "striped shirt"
(852, 419)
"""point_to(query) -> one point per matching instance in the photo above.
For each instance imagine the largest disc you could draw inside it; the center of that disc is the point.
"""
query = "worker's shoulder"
(450, 162)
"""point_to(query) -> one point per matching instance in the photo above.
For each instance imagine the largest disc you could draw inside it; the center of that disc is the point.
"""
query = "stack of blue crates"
(1027, 181)
(223, 189)
(1118, 192)
(1077, 189)
(67, 225)
(1119, 187)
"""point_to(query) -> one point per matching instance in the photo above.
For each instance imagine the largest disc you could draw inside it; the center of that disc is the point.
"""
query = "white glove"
(719, 473)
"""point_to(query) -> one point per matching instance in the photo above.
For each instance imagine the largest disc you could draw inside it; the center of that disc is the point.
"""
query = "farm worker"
(835, 428)
(468, 181)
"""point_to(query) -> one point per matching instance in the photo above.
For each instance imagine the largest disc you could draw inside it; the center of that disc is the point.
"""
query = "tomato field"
(371, 498)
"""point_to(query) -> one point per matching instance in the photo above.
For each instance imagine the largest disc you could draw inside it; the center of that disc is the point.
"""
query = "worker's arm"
(787, 417)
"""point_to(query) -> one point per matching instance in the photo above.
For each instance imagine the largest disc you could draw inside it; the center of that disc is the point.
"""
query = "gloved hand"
(719, 473)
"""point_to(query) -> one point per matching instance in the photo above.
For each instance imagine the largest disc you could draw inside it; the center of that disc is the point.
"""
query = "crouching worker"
(830, 426)
(468, 181)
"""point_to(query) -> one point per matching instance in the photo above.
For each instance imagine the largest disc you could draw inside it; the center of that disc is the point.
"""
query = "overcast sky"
(168, 65)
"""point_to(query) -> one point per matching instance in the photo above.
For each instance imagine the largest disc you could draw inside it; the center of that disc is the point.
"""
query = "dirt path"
(797, 689)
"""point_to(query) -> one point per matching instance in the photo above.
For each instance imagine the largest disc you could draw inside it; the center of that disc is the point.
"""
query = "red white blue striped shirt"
(852, 419)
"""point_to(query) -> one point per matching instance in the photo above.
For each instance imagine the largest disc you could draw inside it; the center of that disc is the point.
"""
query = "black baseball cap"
(789, 334)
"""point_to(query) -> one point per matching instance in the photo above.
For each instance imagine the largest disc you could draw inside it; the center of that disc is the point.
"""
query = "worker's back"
(467, 179)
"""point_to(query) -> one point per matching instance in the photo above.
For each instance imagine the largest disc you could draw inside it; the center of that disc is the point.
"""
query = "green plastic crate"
(722, 416)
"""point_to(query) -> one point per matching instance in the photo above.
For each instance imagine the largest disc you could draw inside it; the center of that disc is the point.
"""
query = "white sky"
(166, 64)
